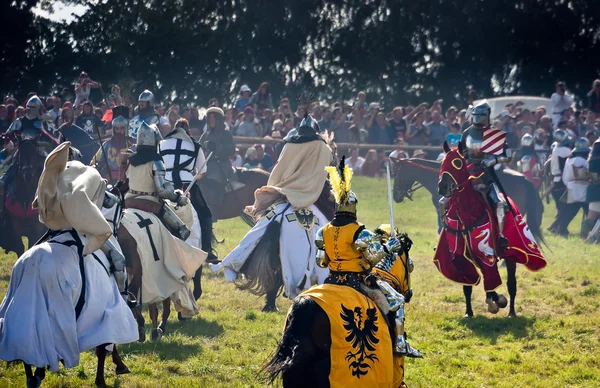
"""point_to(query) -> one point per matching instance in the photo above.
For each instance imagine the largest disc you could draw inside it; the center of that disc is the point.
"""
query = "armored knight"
(560, 153)
(148, 186)
(112, 148)
(32, 125)
(575, 178)
(485, 147)
(146, 113)
(528, 163)
(363, 260)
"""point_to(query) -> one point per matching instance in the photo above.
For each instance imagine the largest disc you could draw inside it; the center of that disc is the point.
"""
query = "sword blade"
(197, 175)
(390, 202)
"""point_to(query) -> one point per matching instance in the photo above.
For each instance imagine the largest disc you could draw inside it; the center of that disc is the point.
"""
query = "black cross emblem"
(145, 223)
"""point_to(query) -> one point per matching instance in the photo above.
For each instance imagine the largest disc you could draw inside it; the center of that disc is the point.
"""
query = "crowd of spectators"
(253, 114)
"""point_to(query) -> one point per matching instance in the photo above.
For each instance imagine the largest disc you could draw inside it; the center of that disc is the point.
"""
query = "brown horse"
(412, 174)
(19, 218)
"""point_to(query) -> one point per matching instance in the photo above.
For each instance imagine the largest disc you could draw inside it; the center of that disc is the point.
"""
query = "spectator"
(560, 102)
(285, 110)
(419, 154)
(371, 166)
(462, 120)
(243, 99)
(355, 161)
(594, 97)
(541, 143)
(397, 123)
(247, 127)
(451, 114)
(83, 87)
(186, 114)
(437, 130)
(340, 126)
(4, 119)
(288, 126)
(88, 121)
(236, 159)
(277, 127)
(589, 123)
(592, 136)
(53, 106)
(102, 106)
(262, 97)
(266, 121)
(265, 160)
(196, 124)
(399, 152)
(213, 102)
(453, 138)
(159, 109)
(362, 100)
(379, 131)
(172, 117)
(251, 159)
(11, 112)
(418, 133)
(327, 123)
(546, 124)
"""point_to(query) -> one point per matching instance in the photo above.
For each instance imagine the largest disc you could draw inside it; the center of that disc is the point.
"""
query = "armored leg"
(117, 266)
(205, 218)
(174, 223)
(396, 302)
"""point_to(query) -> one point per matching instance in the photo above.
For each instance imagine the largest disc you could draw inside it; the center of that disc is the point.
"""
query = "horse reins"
(417, 185)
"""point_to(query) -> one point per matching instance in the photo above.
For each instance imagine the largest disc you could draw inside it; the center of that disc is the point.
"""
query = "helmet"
(526, 140)
(148, 135)
(34, 107)
(582, 145)
(480, 114)
(309, 122)
(75, 154)
(595, 154)
(340, 178)
(561, 138)
(120, 121)
(147, 96)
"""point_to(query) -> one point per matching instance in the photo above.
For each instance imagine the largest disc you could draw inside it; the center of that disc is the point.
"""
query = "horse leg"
(468, 291)
(121, 368)
(34, 380)
(155, 334)
(511, 284)
(165, 316)
(101, 354)
(134, 270)
(198, 283)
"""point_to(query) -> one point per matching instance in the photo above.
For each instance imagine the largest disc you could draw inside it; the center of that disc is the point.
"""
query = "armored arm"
(165, 188)
(322, 258)
(492, 160)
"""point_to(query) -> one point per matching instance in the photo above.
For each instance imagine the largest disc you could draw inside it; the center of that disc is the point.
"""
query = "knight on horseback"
(184, 160)
(280, 248)
(485, 148)
(146, 113)
(359, 258)
(111, 149)
(220, 177)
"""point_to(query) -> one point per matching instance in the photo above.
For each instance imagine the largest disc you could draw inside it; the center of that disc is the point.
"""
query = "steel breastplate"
(473, 144)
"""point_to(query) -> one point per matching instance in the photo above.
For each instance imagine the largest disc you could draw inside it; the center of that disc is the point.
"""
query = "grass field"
(554, 342)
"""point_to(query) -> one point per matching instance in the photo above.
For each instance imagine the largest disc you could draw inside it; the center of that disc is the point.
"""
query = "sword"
(390, 202)
(197, 175)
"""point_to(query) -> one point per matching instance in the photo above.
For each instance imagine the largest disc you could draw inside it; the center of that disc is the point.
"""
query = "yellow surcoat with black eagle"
(339, 247)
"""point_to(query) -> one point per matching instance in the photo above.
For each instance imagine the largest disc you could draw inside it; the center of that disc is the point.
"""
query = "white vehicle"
(529, 102)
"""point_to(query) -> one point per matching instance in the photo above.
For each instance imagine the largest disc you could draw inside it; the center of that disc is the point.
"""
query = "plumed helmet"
(147, 96)
(34, 107)
(148, 135)
(480, 113)
(582, 145)
(120, 121)
(526, 140)
(340, 179)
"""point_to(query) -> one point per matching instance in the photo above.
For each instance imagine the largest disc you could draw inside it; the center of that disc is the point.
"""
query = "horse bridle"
(408, 193)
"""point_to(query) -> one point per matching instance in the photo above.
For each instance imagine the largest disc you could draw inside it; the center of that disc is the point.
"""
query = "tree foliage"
(400, 50)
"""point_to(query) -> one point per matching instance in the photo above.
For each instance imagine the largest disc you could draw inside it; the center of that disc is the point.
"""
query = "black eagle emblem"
(362, 336)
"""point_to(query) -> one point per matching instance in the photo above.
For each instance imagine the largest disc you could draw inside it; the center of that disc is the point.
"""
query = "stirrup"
(404, 349)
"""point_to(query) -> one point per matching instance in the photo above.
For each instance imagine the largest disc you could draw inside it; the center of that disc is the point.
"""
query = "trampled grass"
(554, 342)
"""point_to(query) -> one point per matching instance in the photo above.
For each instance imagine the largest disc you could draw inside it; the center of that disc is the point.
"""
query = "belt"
(135, 192)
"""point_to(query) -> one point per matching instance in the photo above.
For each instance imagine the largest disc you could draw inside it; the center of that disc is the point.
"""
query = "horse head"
(453, 172)
(404, 180)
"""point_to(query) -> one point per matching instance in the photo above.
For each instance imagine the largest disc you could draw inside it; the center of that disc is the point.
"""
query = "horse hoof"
(181, 318)
(492, 306)
(156, 335)
(270, 309)
(100, 383)
(34, 382)
(512, 314)
(468, 315)
(122, 370)
(501, 302)
(141, 334)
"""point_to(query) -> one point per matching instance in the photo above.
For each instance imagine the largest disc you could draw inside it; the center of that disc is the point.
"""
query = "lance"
(390, 202)
(197, 175)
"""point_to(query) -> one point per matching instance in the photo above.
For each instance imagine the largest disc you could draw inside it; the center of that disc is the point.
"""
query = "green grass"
(553, 343)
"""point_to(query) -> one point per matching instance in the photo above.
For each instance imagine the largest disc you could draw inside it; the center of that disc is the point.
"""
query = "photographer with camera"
(560, 102)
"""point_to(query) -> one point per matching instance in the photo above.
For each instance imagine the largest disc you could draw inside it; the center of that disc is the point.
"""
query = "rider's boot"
(174, 223)
(206, 231)
(500, 214)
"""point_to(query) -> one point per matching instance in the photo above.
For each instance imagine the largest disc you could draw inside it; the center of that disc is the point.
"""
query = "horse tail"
(293, 349)
(262, 269)
(535, 210)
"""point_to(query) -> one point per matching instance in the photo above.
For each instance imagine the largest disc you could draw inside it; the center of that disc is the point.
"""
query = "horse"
(470, 244)
(412, 174)
(20, 219)
(318, 348)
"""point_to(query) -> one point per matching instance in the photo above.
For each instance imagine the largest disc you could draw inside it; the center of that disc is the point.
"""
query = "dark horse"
(469, 244)
(412, 174)
(19, 218)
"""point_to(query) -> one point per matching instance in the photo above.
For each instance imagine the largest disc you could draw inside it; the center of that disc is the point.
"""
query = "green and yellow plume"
(340, 179)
